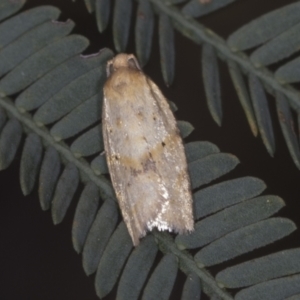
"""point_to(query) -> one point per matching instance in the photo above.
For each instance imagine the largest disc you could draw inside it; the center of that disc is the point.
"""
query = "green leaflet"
(90, 5)
(167, 49)
(8, 8)
(112, 260)
(287, 126)
(136, 269)
(80, 118)
(261, 269)
(30, 162)
(144, 31)
(98, 236)
(41, 63)
(85, 214)
(9, 142)
(203, 171)
(32, 41)
(211, 80)
(121, 23)
(99, 164)
(278, 48)
(59, 78)
(243, 95)
(185, 128)
(172, 106)
(64, 192)
(216, 197)
(71, 96)
(230, 219)
(196, 9)
(14, 27)
(198, 150)
(265, 27)
(49, 173)
(162, 279)
(262, 113)
(192, 288)
(294, 297)
(88, 143)
(290, 72)
(233, 244)
(274, 289)
(102, 8)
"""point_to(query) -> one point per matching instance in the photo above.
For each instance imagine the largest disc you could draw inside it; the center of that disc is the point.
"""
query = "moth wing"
(172, 165)
(146, 159)
(118, 173)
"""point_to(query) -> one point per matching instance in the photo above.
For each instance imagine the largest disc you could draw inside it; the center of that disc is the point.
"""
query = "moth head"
(122, 61)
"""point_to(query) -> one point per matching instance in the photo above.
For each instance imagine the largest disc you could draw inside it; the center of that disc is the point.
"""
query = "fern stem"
(193, 30)
(62, 148)
(166, 243)
(188, 265)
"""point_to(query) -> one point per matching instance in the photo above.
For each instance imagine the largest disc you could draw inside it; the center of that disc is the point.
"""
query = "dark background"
(37, 260)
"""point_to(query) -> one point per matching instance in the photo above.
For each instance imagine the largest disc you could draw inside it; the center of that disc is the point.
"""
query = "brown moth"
(144, 152)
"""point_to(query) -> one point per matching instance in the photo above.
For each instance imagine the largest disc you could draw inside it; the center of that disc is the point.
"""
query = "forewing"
(145, 156)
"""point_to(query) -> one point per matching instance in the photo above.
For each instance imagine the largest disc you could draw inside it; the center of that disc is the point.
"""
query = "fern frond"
(247, 37)
(274, 34)
(58, 109)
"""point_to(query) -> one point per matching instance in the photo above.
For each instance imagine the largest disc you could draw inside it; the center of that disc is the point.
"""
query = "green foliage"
(58, 108)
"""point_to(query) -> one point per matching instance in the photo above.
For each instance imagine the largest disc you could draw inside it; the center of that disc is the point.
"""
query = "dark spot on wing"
(149, 165)
(135, 172)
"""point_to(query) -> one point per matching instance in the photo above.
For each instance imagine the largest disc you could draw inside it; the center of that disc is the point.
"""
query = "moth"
(144, 152)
